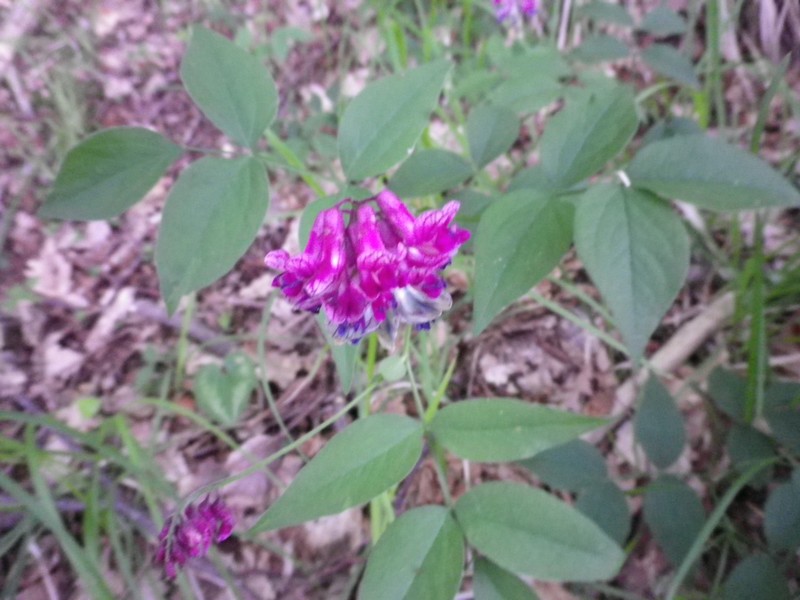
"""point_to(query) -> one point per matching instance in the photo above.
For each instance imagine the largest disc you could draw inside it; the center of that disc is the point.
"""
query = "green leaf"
(364, 460)
(728, 391)
(473, 205)
(491, 131)
(212, 215)
(526, 95)
(572, 466)
(382, 124)
(636, 251)
(540, 63)
(782, 515)
(521, 238)
(429, 172)
(598, 48)
(533, 79)
(526, 530)
(601, 10)
(747, 446)
(344, 355)
(674, 514)
(419, 557)
(474, 84)
(756, 576)
(663, 22)
(782, 412)
(590, 131)
(108, 172)
(502, 429)
(232, 88)
(671, 127)
(534, 178)
(492, 582)
(605, 504)
(311, 211)
(667, 61)
(658, 425)
(224, 396)
(710, 173)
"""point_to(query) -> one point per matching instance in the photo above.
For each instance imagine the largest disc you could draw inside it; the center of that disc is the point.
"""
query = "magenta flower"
(514, 9)
(192, 534)
(370, 265)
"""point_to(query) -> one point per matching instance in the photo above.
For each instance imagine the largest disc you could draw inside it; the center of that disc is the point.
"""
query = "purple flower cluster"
(513, 9)
(370, 265)
(192, 534)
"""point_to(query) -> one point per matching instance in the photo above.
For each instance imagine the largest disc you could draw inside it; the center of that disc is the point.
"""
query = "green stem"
(714, 63)
(183, 342)
(262, 363)
(294, 161)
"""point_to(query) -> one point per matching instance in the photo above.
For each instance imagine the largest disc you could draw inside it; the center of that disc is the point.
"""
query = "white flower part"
(417, 308)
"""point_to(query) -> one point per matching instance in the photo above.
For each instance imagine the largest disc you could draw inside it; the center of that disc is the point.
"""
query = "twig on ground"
(197, 331)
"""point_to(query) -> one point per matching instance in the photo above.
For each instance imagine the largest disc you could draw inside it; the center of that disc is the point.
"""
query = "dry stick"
(197, 331)
(563, 26)
(23, 17)
(671, 355)
(18, 21)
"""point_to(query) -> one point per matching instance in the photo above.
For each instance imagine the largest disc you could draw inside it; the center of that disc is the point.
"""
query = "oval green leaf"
(746, 447)
(571, 466)
(491, 131)
(782, 404)
(636, 251)
(756, 576)
(526, 530)
(419, 557)
(590, 131)
(232, 88)
(598, 48)
(108, 172)
(493, 582)
(212, 215)
(662, 22)
(711, 174)
(601, 10)
(605, 504)
(782, 516)
(502, 429)
(658, 424)
(667, 61)
(521, 238)
(381, 125)
(526, 95)
(674, 514)
(429, 172)
(362, 461)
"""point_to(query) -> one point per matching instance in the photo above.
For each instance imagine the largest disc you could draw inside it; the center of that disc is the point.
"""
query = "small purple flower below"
(514, 9)
(370, 265)
(192, 534)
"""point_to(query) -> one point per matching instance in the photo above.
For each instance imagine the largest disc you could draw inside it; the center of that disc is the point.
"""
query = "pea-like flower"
(514, 9)
(192, 534)
(370, 265)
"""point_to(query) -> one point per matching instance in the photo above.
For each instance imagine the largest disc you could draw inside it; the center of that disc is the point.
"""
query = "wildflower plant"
(379, 270)
(372, 264)
(192, 533)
